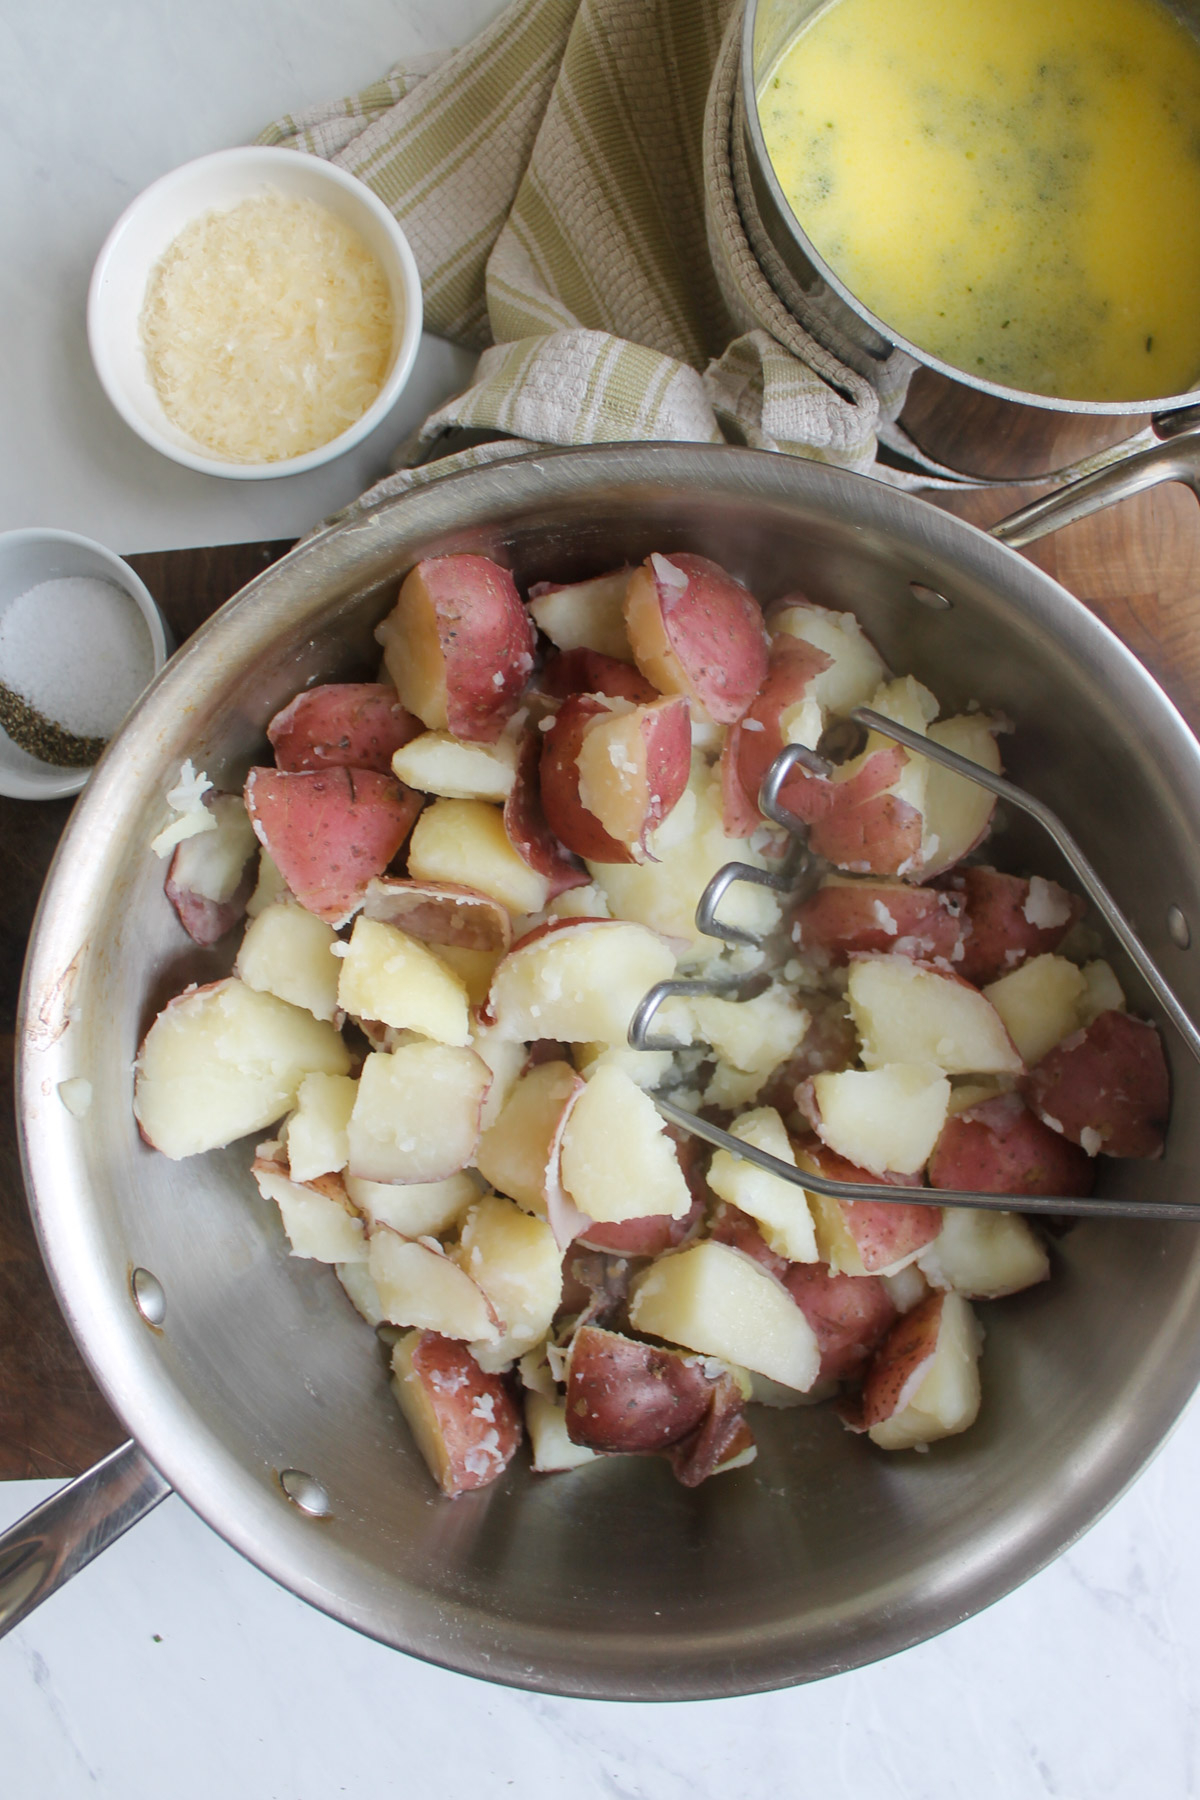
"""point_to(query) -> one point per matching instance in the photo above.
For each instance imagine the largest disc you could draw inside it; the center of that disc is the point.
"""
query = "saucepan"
(965, 423)
(251, 1388)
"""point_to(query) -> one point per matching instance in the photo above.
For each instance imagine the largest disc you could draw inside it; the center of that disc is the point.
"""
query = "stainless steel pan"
(260, 1396)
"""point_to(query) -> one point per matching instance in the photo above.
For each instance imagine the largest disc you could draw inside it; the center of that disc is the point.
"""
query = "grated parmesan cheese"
(267, 329)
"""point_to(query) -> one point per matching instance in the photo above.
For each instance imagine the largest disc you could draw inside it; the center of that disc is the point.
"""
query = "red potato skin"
(330, 833)
(901, 1361)
(643, 1237)
(666, 739)
(1110, 1078)
(595, 1286)
(207, 921)
(715, 630)
(440, 913)
(487, 641)
(837, 923)
(758, 738)
(883, 1231)
(721, 1436)
(455, 1387)
(849, 1314)
(867, 830)
(998, 937)
(1000, 1147)
(631, 1398)
(342, 725)
(570, 672)
(529, 831)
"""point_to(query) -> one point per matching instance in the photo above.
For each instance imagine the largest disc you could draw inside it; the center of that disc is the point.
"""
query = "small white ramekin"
(150, 225)
(27, 558)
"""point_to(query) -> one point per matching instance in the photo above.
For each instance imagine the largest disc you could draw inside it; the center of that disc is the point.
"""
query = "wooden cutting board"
(1137, 566)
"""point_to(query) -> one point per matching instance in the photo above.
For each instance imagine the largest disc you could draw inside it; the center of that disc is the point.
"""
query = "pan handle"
(62, 1535)
(1178, 459)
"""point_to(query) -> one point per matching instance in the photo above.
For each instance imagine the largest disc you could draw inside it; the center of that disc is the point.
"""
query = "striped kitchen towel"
(567, 183)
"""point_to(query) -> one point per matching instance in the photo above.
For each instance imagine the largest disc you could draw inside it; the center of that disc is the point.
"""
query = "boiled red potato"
(417, 1209)
(616, 1161)
(864, 1237)
(587, 672)
(394, 978)
(578, 980)
(459, 646)
(628, 1397)
(855, 668)
(516, 1151)
(269, 890)
(644, 1237)
(1105, 1088)
(550, 1443)
(585, 615)
(465, 1423)
(417, 1111)
(610, 774)
(517, 1263)
(909, 1012)
(506, 1064)
(359, 1289)
(696, 631)
(418, 1284)
(649, 1068)
(729, 1225)
(723, 1442)
(850, 1315)
(1040, 1004)
(221, 1061)
(463, 843)
(528, 830)
(211, 877)
(984, 1255)
(289, 952)
(869, 825)
(846, 918)
(440, 913)
(317, 1132)
(782, 712)
(885, 1120)
(780, 1208)
(437, 763)
(998, 1146)
(342, 725)
(1102, 991)
(753, 1036)
(690, 846)
(874, 817)
(924, 1381)
(330, 834)
(318, 1216)
(712, 1299)
(831, 1042)
(958, 812)
(1009, 919)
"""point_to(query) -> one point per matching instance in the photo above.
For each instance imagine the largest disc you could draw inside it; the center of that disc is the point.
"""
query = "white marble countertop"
(173, 1666)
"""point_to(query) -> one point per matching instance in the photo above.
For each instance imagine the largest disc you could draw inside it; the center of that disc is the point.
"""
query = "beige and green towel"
(567, 183)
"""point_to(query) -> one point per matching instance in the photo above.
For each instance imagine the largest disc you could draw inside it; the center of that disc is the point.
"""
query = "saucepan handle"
(1178, 459)
(62, 1535)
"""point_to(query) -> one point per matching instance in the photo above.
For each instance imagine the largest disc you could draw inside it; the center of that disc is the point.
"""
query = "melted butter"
(1012, 185)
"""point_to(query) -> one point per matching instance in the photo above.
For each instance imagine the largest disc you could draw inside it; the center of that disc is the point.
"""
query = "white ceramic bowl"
(151, 224)
(27, 558)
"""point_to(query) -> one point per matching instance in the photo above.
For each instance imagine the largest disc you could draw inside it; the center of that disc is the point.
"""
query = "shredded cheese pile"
(267, 328)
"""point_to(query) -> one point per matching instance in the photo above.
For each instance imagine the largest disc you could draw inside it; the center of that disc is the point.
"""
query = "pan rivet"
(305, 1491)
(930, 597)
(148, 1296)
(1177, 925)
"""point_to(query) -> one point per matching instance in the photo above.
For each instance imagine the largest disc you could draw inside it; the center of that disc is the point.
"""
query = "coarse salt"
(78, 651)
